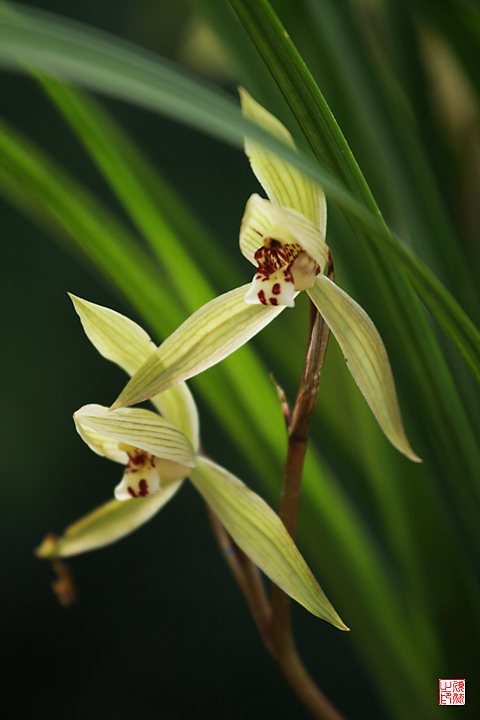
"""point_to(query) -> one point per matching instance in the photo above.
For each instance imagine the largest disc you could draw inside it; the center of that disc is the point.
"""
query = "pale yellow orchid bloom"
(284, 237)
(159, 451)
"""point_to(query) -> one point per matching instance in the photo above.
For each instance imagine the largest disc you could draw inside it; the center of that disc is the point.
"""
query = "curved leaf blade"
(103, 63)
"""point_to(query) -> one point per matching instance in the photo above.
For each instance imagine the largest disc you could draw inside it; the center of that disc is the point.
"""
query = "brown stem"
(273, 620)
(301, 419)
(282, 636)
(248, 578)
(304, 687)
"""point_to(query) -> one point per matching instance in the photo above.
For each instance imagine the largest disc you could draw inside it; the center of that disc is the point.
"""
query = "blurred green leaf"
(390, 530)
(106, 64)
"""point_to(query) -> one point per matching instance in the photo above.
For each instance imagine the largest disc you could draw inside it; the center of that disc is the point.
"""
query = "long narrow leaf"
(121, 70)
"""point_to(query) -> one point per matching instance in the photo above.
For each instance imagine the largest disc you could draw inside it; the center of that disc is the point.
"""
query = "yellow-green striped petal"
(101, 444)
(142, 429)
(366, 358)
(259, 532)
(125, 343)
(115, 336)
(284, 184)
(214, 331)
(106, 524)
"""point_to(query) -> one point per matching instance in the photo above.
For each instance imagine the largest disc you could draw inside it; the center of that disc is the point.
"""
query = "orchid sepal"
(105, 525)
(125, 343)
(366, 358)
(214, 331)
(260, 533)
(284, 184)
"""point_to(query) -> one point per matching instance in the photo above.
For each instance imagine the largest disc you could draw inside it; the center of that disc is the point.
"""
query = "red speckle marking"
(143, 488)
(276, 289)
(262, 298)
(131, 492)
(273, 301)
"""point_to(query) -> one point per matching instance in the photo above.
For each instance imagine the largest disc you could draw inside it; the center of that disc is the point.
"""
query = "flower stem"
(273, 620)
(281, 627)
(304, 687)
(248, 578)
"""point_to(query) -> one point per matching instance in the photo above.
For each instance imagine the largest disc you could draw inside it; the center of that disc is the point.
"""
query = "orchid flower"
(159, 451)
(284, 237)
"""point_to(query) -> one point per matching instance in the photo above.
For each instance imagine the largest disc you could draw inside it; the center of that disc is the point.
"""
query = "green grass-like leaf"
(377, 530)
(105, 64)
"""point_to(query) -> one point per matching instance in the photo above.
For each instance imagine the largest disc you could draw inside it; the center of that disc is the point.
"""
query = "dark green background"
(160, 629)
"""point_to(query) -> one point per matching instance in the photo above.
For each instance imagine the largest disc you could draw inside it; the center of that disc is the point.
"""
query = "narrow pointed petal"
(141, 428)
(105, 525)
(115, 336)
(125, 343)
(259, 532)
(366, 358)
(284, 184)
(214, 331)
(263, 219)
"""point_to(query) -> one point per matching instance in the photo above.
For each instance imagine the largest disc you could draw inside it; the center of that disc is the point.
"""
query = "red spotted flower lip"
(283, 270)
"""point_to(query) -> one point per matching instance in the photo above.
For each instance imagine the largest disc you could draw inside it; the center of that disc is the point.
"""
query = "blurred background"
(159, 627)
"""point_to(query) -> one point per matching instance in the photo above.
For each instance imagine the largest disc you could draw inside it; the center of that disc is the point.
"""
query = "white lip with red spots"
(146, 474)
(288, 250)
(141, 477)
(283, 270)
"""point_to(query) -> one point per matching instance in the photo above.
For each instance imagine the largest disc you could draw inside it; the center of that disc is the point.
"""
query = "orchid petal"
(142, 479)
(142, 429)
(284, 184)
(106, 524)
(214, 331)
(263, 219)
(125, 343)
(115, 336)
(101, 444)
(366, 358)
(277, 289)
(259, 532)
